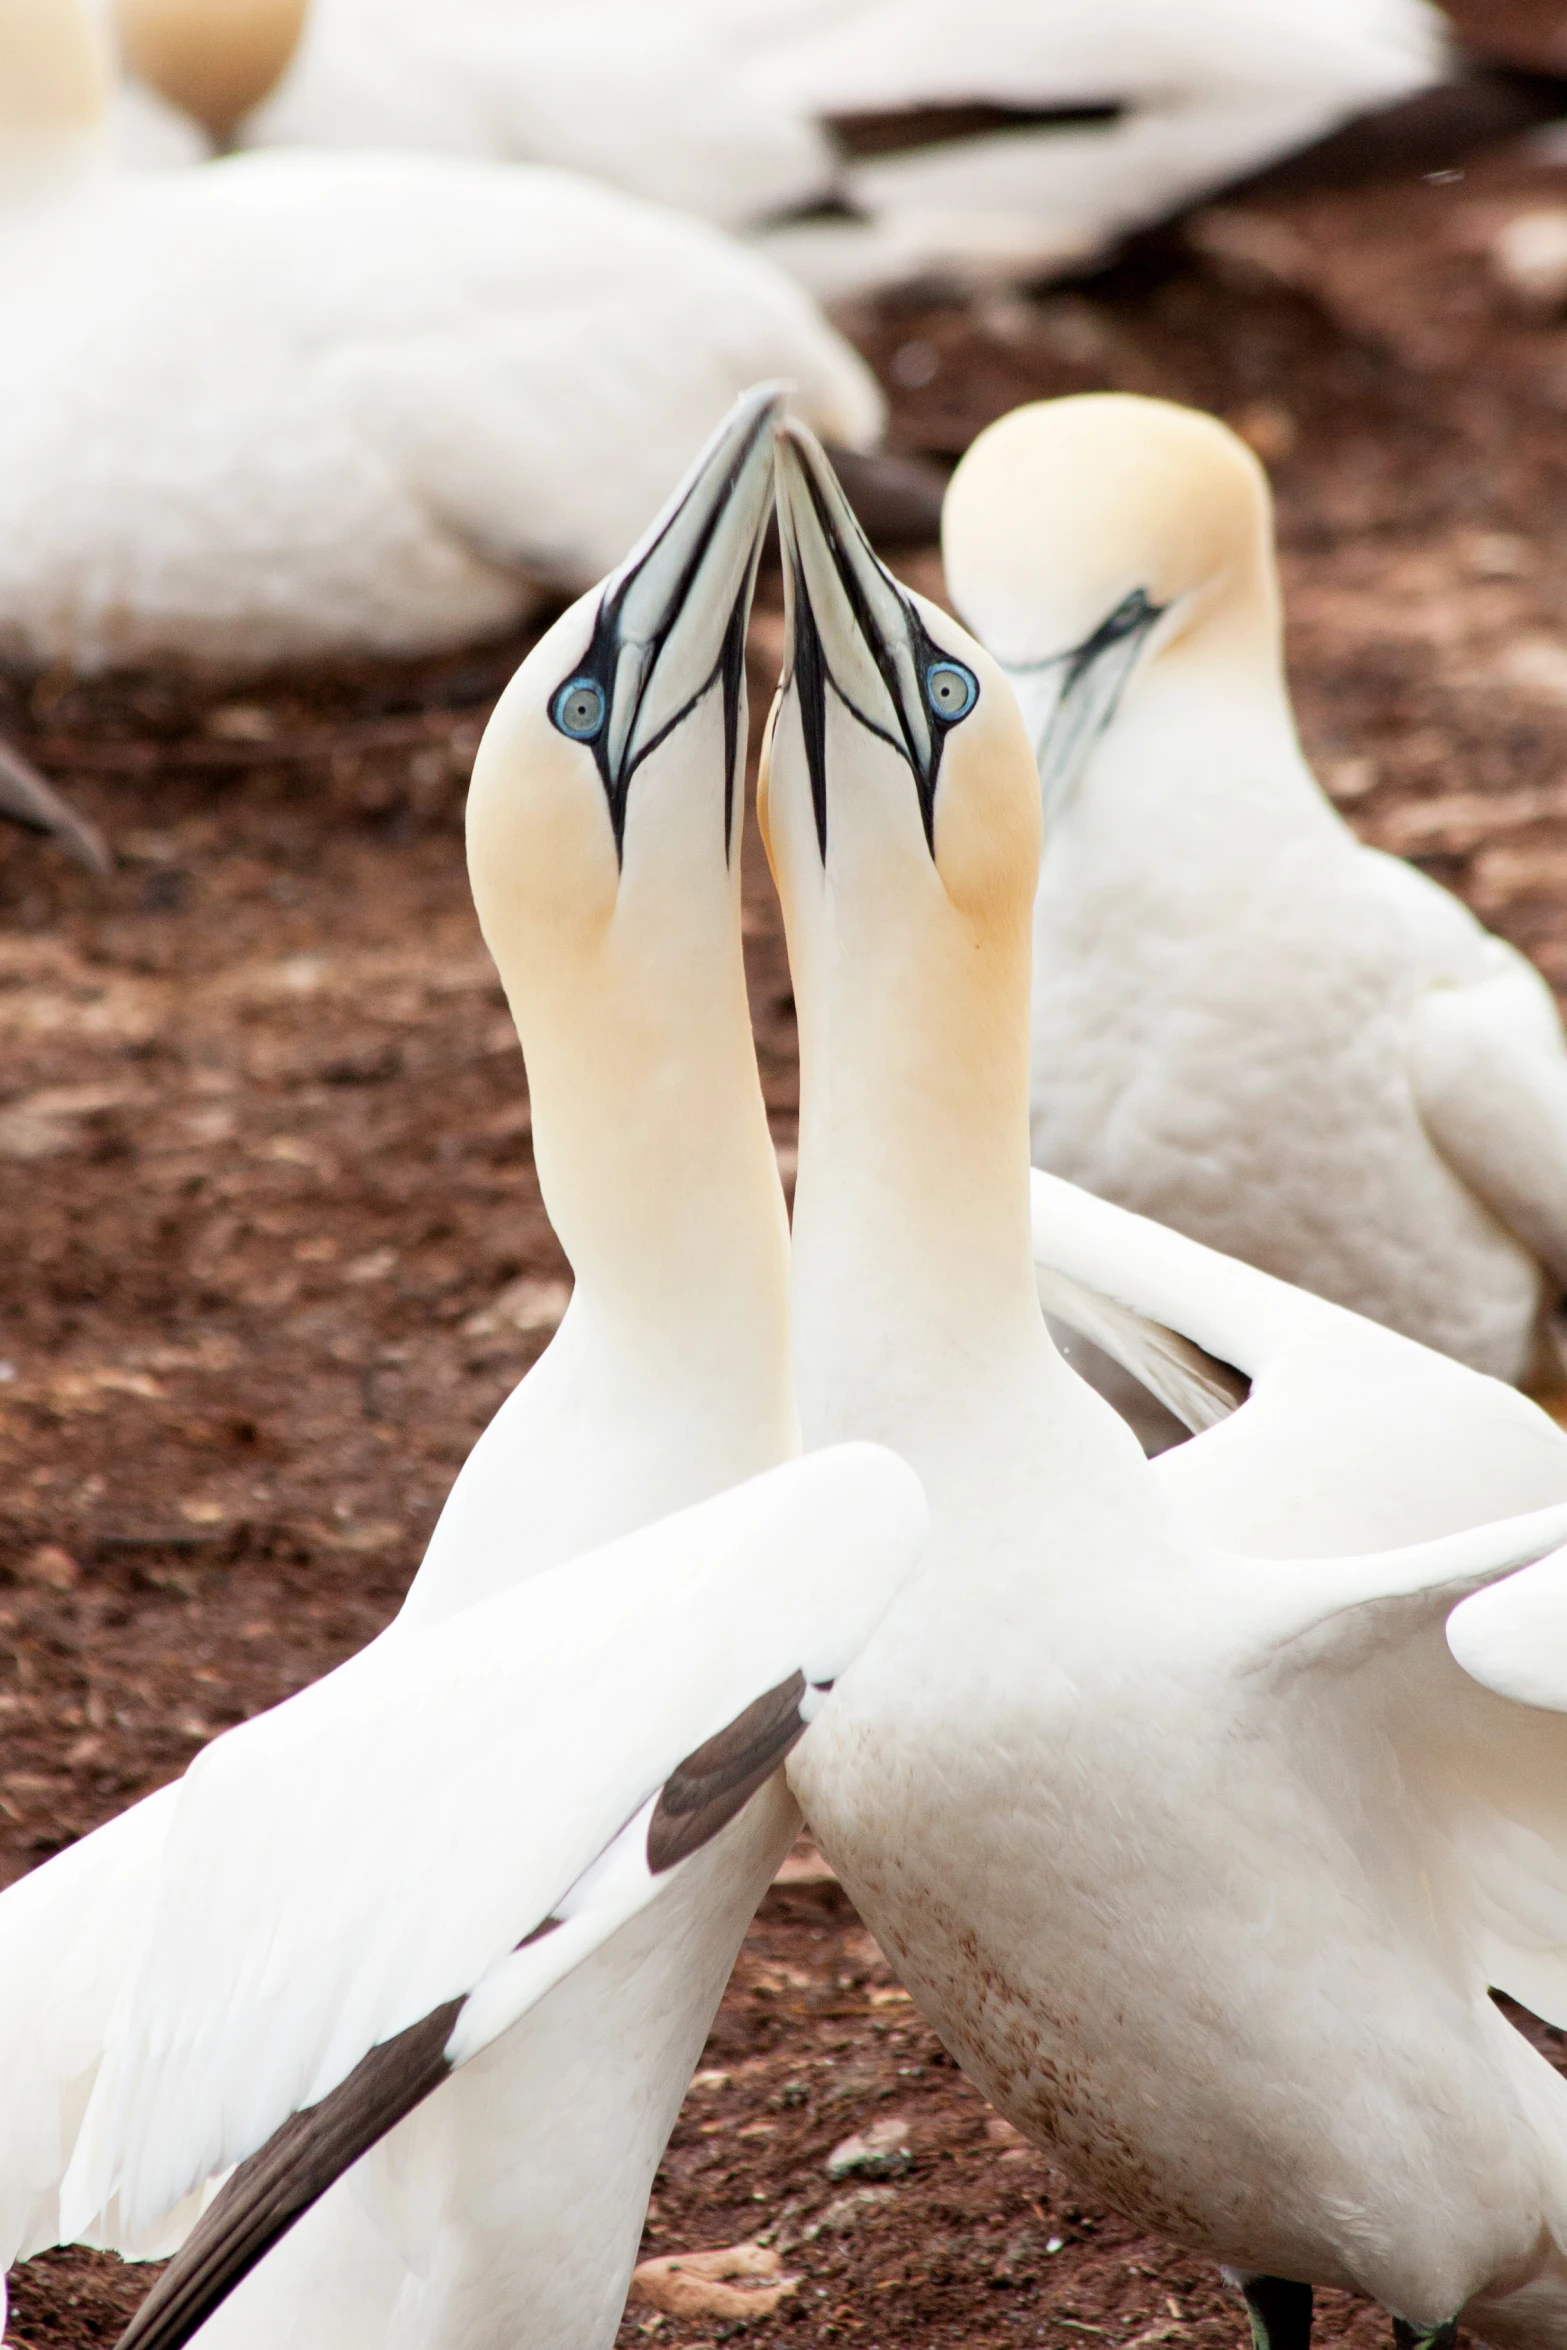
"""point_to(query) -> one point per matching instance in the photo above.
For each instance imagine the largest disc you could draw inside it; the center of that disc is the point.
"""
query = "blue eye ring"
(951, 690)
(578, 709)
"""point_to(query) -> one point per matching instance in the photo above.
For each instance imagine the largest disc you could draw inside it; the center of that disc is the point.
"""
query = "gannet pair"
(1245, 1024)
(302, 404)
(864, 143)
(528, 1703)
(1180, 1850)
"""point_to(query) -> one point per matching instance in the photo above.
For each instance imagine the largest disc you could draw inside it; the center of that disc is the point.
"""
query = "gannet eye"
(578, 709)
(951, 690)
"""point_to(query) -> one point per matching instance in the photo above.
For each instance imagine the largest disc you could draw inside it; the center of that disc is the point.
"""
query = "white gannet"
(640, 98)
(998, 141)
(1202, 1865)
(864, 143)
(1246, 1024)
(299, 403)
(604, 824)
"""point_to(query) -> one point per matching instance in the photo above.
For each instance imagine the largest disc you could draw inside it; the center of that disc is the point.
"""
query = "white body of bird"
(1245, 1023)
(864, 142)
(1202, 1865)
(304, 404)
(668, 1380)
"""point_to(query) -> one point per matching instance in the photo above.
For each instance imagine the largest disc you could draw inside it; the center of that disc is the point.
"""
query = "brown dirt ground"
(273, 1247)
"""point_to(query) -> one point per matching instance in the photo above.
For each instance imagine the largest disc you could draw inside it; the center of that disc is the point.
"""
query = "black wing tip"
(717, 1780)
(276, 2186)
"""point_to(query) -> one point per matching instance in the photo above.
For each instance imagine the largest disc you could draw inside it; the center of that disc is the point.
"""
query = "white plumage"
(912, 135)
(1349, 1435)
(668, 1381)
(303, 404)
(389, 1839)
(1203, 1864)
(864, 142)
(1245, 1024)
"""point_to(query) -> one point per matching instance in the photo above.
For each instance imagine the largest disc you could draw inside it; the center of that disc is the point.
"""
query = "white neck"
(1200, 769)
(916, 1320)
(670, 1377)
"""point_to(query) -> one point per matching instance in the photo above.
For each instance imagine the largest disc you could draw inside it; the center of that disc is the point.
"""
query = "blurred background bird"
(864, 144)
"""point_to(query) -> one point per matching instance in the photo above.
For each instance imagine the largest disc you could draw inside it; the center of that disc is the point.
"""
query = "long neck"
(915, 1315)
(654, 1157)
(54, 80)
(670, 1376)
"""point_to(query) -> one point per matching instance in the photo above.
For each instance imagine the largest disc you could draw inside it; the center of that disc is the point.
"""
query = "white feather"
(343, 1865)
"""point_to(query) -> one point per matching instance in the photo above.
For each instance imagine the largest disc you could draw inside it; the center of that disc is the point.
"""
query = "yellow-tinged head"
(603, 850)
(898, 798)
(1091, 541)
(215, 58)
(54, 78)
(902, 818)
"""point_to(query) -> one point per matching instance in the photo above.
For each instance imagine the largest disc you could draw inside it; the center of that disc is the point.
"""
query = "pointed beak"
(1069, 700)
(26, 800)
(852, 632)
(671, 622)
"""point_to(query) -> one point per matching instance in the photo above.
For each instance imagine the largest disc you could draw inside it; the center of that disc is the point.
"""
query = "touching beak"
(1068, 700)
(670, 627)
(852, 631)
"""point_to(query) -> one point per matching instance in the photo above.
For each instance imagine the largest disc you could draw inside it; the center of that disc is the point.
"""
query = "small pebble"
(884, 2147)
(50, 1568)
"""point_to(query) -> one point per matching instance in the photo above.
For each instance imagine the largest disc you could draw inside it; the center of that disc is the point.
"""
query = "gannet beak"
(852, 631)
(670, 624)
(1069, 699)
(27, 800)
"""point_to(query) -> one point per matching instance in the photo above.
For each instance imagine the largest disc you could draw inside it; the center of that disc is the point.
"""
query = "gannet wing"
(364, 1887)
(65, 1931)
(1349, 1435)
(1489, 1069)
(1451, 1793)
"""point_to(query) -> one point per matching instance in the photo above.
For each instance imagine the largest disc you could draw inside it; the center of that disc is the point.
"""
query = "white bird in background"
(299, 404)
(1246, 1024)
(604, 828)
(191, 72)
(995, 140)
(1203, 1865)
(866, 142)
(863, 142)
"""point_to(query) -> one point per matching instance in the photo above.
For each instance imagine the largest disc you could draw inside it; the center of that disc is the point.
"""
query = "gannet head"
(897, 769)
(901, 813)
(603, 840)
(214, 58)
(1092, 539)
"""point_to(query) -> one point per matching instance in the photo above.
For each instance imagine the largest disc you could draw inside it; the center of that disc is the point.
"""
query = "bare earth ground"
(273, 1247)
